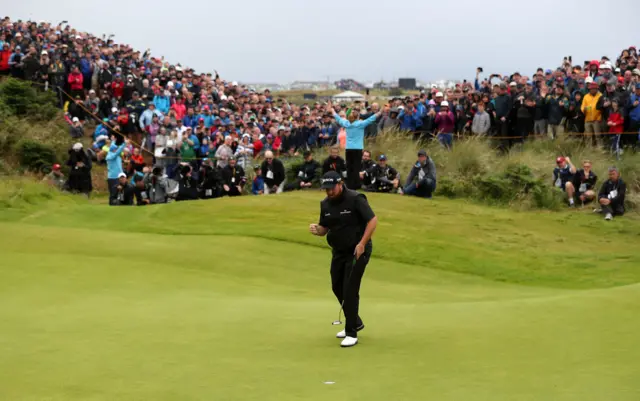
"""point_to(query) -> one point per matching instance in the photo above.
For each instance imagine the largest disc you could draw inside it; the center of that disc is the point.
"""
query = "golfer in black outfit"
(348, 221)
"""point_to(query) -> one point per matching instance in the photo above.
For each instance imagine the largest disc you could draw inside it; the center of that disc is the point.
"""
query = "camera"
(480, 69)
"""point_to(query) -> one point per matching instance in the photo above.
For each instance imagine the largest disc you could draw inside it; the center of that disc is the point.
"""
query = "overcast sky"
(286, 40)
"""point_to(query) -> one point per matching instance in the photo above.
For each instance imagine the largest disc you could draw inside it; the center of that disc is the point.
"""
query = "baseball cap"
(422, 152)
(636, 72)
(444, 103)
(593, 85)
(75, 119)
(330, 180)
(382, 157)
(439, 94)
(122, 175)
(559, 160)
(56, 167)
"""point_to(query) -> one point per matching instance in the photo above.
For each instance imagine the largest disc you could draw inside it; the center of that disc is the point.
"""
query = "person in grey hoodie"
(481, 121)
(157, 184)
(389, 121)
(425, 173)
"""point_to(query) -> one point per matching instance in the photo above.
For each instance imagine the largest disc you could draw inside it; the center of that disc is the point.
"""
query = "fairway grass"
(230, 300)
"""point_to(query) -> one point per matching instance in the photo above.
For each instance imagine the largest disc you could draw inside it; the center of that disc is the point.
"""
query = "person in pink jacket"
(445, 125)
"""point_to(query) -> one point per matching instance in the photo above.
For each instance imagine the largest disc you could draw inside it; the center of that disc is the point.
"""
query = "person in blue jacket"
(114, 162)
(410, 118)
(257, 187)
(355, 142)
(162, 102)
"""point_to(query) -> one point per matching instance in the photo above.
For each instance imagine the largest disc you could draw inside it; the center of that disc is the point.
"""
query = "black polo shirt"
(346, 218)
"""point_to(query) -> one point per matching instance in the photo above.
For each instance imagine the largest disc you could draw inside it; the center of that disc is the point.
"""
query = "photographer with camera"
(122, 193)
(233, 178)
(383, 177)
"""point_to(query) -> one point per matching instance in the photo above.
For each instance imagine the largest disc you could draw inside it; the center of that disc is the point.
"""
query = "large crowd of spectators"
(168, 132)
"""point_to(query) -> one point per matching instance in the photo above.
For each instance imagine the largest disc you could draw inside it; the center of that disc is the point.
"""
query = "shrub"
(34, 155)
(21, 99)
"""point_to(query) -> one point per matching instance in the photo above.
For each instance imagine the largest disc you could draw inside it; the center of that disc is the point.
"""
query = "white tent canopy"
(348, 96)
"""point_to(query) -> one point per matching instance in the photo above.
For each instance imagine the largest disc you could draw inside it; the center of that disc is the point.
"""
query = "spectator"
(616, 126)
(225, 153)
(481, 121)
(612, 194)
(424, 175)
(140, 190)
(306, 174)
(355, 142)
(389, 121)
(334, 163)
(16, 63)
(55, 178)
(585, 182)
(158, 186)
(80, 171)
(233, 178)
(367, 163)
(383, 177)
(257, 186)
(410, 118)
(592, 106)
(76, 129)
(563, 177)
(123, 192)
(633, 110)
(557, 106)
(187, 184)
(76, 82)
(445, 125)
(209, 180)
(273, 174)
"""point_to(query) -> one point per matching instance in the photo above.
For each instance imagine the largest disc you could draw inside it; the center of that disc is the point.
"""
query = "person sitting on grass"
(233, 178)
(273, 174)
(563, 177)
(257, 187)
(307, 173)
(383, 177)
(122, 194)
(611, 195)
(335, 163)
(585, 182)
(424, 174)
(55, 177)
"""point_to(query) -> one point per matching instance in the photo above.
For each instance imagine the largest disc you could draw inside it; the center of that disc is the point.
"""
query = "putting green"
(230, 300)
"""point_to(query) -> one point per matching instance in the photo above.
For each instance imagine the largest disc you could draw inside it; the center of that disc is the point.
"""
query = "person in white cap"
(76, 130)
(80, 170)
(123, 193)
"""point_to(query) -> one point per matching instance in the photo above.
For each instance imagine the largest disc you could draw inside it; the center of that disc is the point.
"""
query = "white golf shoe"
(343, 333)
(349, 342)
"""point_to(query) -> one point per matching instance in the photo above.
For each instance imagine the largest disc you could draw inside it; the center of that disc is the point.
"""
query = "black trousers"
(346, 277)
(354, 162)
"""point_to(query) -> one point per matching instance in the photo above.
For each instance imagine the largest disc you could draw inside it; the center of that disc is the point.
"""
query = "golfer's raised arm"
(341, 121)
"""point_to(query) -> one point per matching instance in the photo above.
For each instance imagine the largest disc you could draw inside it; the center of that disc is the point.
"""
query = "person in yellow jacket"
(592, 105)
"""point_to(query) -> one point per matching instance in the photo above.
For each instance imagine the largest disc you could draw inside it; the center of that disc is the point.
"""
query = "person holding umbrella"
(348, 222)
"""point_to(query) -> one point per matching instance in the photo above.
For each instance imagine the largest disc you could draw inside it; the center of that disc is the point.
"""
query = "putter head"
(336, 323)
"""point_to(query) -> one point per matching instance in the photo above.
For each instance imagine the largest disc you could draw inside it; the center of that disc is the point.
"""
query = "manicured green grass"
(230, 300)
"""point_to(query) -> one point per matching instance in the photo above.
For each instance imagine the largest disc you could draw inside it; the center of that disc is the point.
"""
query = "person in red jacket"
(5, 53)
(179, 108)
(75, 82)
(616, 125)
(117, 88)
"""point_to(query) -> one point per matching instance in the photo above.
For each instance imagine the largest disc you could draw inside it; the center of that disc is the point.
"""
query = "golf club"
(339, 321)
